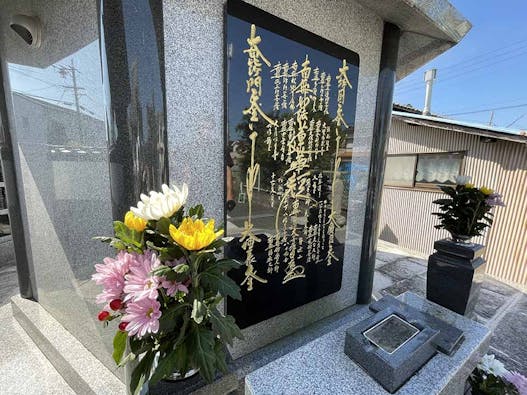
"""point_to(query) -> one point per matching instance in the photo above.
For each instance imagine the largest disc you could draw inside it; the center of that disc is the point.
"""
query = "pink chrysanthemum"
(142, 317)
(173, 286)
(111, 275)
(139, 282)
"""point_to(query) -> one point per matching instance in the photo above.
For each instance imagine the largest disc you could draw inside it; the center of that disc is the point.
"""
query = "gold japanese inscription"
(254, 87)
(301, 143)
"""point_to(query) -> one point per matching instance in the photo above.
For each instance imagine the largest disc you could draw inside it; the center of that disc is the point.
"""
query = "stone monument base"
(322, 367)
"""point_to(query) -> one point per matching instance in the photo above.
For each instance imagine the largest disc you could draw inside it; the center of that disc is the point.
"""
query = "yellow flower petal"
(486, 191)
(194, 235)
(134, 222)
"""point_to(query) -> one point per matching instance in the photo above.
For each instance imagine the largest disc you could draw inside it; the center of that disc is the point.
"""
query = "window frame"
(426, 186)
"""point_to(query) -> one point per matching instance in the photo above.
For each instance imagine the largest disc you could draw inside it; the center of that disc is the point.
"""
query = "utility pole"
(430, 76)
(76, 94)
(71, 70)
(491, 118)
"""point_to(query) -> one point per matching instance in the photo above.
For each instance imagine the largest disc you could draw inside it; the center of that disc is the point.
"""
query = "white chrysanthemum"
(462, 180)
(161, 204)
(490, 365)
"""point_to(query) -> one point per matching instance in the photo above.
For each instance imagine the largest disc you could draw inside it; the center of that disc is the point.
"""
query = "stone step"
(24, 369)
(84, 373)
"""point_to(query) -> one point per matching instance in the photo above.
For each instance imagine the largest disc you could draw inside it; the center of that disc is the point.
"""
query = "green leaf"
(139, 346)
(199, 311)
(220, 356)
(217, 244)
(119, 345)
(114, 242)
(127, 235)
(197, 211)
(162, 270)
(169, 319)
(227, 264)
(216, 281)
(224, 326)
(166, 253)
(201, 342)
(163, 225)
(141, 373)
(182, 269)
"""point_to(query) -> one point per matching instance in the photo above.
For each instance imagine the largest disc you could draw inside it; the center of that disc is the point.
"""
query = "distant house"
(425, 151)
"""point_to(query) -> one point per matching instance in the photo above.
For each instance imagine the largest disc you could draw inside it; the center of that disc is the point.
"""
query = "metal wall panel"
(406, 217)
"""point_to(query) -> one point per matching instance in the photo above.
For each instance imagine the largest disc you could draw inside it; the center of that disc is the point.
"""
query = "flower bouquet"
(466, 212)
(165, 286)
(492, 378)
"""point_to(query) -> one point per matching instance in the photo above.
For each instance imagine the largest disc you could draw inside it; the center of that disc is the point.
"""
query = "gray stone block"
(391, 367)
(449, 336)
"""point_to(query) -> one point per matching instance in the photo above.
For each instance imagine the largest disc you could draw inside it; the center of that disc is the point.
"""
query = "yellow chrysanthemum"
(133, 222)
(486, 191)
(468, 185)
(194, 234)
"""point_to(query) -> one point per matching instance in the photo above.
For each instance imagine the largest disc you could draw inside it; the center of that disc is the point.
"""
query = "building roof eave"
(460, 127)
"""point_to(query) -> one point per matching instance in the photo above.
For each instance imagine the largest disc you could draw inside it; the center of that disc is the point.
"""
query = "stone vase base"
(454, 276)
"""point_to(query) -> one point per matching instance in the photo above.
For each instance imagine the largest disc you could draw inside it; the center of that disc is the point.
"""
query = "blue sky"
(486, 70)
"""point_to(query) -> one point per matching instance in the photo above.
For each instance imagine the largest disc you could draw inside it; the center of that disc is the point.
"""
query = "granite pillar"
(381, 127)
(25, 271)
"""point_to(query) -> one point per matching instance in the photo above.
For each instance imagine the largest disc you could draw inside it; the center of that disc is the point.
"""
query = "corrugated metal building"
(424, 151)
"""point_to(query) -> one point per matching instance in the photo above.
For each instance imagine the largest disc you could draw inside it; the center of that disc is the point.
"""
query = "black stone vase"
(454, 276)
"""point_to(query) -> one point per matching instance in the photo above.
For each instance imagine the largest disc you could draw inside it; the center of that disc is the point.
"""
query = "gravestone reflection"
(391, 333)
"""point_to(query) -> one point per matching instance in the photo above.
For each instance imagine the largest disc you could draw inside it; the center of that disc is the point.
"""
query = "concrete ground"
(500, 307)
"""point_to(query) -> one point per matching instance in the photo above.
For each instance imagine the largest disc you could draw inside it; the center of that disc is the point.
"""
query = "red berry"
(123, 325)
(103, 315)
(116, 304)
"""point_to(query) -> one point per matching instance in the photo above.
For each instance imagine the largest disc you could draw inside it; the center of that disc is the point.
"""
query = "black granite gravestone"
(291, 98)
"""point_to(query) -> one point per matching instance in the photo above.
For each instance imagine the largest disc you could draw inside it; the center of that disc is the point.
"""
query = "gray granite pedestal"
(322, 367)
(454, 276)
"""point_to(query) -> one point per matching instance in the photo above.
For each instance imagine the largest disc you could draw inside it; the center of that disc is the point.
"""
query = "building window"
(423, 170)
(400, 170)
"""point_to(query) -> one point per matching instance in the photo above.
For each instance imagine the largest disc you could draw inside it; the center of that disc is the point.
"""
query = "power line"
(472, 59)
(461, 74)
(471, 107)
(516, 120)
(487, 109)
(35, 78)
